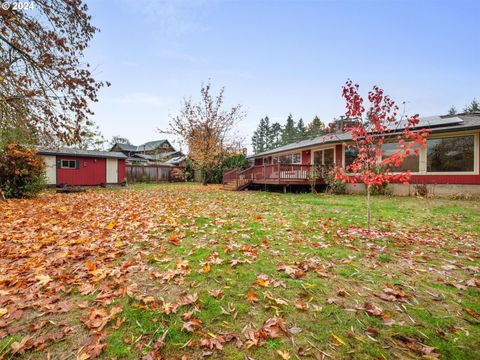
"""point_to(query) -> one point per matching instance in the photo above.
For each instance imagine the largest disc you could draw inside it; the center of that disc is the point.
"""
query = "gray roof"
(79, 152)
(437, 124)
(151, 145)
(176, 160)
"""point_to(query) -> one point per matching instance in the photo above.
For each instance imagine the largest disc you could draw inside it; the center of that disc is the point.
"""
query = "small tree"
(369, 132)
(21, 172)
(206, 129)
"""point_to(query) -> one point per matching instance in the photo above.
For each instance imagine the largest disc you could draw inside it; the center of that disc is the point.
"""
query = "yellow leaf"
(111, 225)
(206, 268)
(119, 244)
(339, 339)
(284, 354)
(3, 311)
(43, 279)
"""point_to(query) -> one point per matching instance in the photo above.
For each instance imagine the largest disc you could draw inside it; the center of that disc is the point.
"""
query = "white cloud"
(138, 98)
(173, 17)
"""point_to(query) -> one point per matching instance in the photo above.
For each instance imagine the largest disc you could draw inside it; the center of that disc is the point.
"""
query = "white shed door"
(50, 169)
(112, 171)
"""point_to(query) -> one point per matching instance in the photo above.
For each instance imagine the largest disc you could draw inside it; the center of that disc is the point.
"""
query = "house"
(83, 167)
(448, 165)
(156, 152)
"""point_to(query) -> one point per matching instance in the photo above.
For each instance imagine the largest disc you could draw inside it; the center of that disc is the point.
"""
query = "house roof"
(151, 145)
(176, 160)
(437, 124)
(79, 152)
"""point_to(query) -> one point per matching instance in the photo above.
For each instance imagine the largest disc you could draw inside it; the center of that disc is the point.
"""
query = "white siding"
(50, 168)
(112, 171)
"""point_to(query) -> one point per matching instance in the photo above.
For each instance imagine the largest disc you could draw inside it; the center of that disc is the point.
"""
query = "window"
(290, 159)
(410, 162)
(324, 157)
(451, 154)
(68, 164)
(350, 155)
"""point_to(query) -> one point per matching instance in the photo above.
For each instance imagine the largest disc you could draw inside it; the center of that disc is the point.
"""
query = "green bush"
(21, 171)
(235, 161)
(334, 185)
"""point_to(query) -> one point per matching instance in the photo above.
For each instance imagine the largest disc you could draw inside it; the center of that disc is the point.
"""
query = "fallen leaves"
(191, 325)
(98, 318)
(156, 255)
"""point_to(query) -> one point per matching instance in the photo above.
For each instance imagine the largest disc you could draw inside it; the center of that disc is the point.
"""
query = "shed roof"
(80, 152)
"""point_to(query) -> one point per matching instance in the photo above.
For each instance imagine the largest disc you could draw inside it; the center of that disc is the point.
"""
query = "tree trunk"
(368, 208)
(2, 196)
(204, 180)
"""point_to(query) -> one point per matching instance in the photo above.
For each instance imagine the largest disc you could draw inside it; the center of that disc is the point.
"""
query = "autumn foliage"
(207, 130)
(372, 128)
(45, 85)
(21, 171)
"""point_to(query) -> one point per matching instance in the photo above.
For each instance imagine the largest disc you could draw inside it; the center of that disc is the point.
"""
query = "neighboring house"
(83, 167)
(156, 152)
(450, 163)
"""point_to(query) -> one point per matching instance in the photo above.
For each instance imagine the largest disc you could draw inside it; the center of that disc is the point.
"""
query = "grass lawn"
(184, 271)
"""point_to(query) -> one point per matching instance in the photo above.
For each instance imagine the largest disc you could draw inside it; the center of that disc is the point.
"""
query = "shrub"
(177, 174)
(231, 162)
(381, 189)
(21, 171)
(334, 184)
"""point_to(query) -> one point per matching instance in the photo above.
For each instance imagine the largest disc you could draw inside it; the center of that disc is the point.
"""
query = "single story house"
(83, 167)
(450, 163)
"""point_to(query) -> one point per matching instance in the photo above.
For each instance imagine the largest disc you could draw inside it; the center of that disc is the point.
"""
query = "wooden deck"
(276, 174)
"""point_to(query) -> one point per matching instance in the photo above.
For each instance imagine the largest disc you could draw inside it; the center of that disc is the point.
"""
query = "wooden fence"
(149, 173)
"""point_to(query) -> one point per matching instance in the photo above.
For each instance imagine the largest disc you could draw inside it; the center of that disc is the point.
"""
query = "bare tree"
(206, 129)
(44, 85)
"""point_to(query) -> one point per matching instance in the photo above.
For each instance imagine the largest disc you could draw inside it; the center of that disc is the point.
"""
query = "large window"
(350, 155)
(291, 159)
(324, 157)
(451, 154)
(410, 162)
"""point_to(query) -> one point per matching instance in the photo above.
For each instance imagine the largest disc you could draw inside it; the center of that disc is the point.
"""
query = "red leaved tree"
(370, 129)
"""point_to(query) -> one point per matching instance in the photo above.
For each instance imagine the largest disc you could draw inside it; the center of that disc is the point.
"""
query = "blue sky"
(279, 57)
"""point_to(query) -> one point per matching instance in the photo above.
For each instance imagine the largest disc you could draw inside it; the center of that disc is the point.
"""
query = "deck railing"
(275, 173)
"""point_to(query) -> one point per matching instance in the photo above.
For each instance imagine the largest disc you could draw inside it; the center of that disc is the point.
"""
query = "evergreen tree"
(276, 135)
(316, 127)
(289, 133)
(301, 130)
(265, 130)
(261, 136)
(452, 111)
(474, 107)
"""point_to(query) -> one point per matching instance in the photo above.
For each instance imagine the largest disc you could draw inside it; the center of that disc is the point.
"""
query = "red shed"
(83, 167)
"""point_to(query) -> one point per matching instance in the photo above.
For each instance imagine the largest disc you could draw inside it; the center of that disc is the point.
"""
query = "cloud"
(138, 98)
(173, 17)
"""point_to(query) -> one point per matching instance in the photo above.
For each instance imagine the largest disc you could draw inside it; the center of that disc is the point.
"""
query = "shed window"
(68, 164)
(451, 154)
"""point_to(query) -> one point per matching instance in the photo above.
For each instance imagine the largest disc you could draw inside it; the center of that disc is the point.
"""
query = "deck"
(276, 174)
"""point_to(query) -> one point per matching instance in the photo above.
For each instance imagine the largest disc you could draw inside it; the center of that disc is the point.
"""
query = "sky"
(278, 57)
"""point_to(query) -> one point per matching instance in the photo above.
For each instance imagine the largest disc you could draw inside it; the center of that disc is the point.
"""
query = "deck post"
(278, 172)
